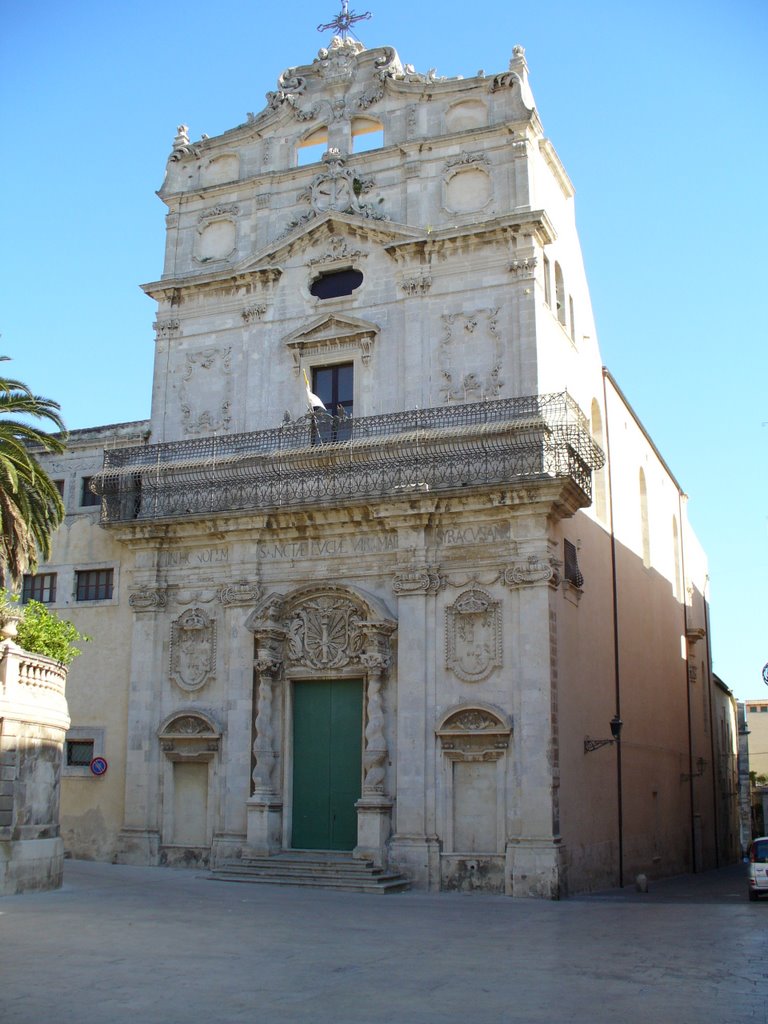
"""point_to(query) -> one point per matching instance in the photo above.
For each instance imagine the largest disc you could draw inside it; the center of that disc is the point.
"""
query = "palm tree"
(30, 504)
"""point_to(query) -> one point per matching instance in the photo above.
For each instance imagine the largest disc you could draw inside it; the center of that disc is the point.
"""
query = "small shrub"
(42, 632)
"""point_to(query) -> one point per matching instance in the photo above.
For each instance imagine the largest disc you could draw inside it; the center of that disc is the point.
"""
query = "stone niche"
(474, 740)
(190, 740)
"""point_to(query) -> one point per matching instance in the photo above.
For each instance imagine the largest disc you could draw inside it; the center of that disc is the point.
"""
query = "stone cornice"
(243, 189)
(499, 230)
(554, 164)
(227, 281)
(555, 498)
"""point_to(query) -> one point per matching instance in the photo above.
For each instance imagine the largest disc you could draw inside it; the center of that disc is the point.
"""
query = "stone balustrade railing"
(32, 686)
(42, 673)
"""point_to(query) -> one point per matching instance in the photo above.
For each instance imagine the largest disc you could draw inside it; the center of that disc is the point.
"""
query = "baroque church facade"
(454, 624)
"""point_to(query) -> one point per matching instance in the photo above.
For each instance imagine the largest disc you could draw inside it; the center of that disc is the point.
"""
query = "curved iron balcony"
(326, 461)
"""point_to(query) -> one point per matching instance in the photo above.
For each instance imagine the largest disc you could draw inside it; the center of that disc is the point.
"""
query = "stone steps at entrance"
(318, 870)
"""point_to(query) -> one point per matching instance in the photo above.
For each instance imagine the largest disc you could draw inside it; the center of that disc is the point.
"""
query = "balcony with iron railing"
(330, 461)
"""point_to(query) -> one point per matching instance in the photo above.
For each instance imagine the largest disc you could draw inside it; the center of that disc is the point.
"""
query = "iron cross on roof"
(342, 23)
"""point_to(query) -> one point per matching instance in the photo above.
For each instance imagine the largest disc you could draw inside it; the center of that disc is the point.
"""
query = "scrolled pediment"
(332, 333)
(319, 232)
(189, 734)
(474, 732)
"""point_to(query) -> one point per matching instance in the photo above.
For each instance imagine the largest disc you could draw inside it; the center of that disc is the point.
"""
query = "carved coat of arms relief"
(193, 649)
(470, 356)
(205, 393)
(325, 633)
(473, 641)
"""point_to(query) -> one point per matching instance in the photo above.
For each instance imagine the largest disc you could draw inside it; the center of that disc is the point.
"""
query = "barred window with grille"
(571, 565)
(40, 587)
(79, 753)
(94, 584)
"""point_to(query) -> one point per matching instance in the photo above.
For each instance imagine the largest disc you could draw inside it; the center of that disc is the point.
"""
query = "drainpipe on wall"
(694, 865)
(710, 712)
(616, 657)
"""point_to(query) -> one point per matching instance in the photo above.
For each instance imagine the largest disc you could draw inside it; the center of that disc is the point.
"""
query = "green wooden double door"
(327, 751)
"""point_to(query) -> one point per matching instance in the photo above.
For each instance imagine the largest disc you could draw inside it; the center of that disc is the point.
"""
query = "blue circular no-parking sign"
(99, 765)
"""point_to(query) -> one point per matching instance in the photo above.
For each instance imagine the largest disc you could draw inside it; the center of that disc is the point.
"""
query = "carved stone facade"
(368, 613)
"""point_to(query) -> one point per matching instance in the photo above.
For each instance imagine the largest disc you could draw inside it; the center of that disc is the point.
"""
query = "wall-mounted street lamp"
(701, 764)
(590, 744)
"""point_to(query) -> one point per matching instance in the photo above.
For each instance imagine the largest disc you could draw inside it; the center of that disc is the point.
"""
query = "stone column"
(415, 847)
(237, 599)
(535, 856)
(374, 807)
(265, 807)
(139, 839)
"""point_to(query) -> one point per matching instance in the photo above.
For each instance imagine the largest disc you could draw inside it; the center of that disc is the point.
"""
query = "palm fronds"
(30, 504)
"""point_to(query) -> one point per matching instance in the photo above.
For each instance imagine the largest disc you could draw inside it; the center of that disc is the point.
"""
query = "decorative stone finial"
(182, 136)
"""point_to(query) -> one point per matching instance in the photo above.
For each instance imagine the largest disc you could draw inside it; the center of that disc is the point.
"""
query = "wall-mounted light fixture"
(701, 764)
(590, 744)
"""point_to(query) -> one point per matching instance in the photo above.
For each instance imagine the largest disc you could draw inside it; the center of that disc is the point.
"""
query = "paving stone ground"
(124, 945)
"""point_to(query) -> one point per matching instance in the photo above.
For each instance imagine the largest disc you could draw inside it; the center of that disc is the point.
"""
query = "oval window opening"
(336, 283)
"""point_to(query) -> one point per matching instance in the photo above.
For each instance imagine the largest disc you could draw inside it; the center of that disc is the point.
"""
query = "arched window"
(367, 134)
(310, 150)
(601, 504)
(644, 525)
(560, 294)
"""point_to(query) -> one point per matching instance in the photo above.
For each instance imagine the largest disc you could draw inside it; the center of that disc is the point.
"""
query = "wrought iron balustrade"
(304, 463)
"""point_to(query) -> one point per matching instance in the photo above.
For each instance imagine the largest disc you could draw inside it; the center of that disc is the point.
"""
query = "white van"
(757, 855)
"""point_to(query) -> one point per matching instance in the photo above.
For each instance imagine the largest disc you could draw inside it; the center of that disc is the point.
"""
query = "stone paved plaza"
(122, 944)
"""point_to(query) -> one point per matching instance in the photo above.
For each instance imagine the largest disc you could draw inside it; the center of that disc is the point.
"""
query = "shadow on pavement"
(722, 885)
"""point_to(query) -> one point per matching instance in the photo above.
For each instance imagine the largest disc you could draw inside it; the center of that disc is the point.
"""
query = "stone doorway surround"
(318, 632)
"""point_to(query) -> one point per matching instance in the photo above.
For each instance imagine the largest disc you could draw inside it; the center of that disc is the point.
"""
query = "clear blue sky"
(657, 110)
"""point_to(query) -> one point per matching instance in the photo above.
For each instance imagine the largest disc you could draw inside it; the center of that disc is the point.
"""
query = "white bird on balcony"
(313, 401)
